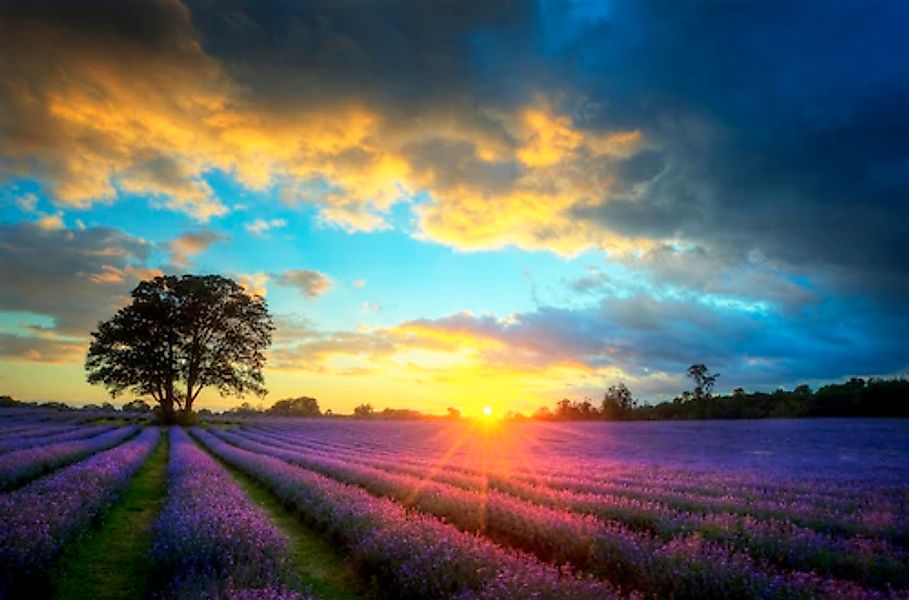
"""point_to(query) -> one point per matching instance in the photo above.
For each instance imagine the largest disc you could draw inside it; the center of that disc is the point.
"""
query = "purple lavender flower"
(37, 520)
(21, 465)
(210, 537)
(415, 555)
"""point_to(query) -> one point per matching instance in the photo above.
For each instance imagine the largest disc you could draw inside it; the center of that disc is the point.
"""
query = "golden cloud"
(461, 358)
(97, 117)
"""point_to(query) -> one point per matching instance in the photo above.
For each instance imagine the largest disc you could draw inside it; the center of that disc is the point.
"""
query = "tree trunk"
(168, 416)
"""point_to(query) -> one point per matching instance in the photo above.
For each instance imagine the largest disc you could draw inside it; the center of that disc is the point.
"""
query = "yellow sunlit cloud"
(107, 127)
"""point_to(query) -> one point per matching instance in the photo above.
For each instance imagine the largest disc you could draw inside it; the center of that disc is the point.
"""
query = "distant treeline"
(856, 397)
(304, 406)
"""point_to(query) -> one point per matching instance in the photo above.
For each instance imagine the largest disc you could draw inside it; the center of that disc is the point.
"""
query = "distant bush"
(137, 406)
(8, 402)
(304, 406)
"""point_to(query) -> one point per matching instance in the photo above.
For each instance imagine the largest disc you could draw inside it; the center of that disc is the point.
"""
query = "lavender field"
(465, 509)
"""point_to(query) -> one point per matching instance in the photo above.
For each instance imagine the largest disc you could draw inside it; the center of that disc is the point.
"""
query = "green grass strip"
(112, 560)
(316, 565)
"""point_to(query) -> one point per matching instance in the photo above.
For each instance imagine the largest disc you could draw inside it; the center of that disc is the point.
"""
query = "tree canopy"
(304, 406)
(179, 335)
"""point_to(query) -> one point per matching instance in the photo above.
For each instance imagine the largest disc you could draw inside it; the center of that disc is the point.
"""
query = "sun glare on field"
(487, 411)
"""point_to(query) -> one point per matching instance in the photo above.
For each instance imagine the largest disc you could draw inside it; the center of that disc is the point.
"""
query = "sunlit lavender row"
(776, 539)
(210, 540)
(685, 565)
(416, 555)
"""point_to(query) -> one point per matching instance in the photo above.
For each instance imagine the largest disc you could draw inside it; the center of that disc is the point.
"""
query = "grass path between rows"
(111, 561)
(319, 568)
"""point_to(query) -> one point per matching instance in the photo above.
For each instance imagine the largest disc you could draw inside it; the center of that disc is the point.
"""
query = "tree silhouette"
(303, 406)
(137, 406)
(617, 401)
(704, 381)
(363, 410)
(198, 331)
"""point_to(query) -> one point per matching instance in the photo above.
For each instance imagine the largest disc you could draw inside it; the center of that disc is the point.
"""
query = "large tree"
(180, 335)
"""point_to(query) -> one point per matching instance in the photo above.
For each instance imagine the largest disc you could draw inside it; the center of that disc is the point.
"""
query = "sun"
(487, 411)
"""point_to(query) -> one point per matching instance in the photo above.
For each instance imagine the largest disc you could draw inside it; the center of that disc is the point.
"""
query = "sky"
(465, 203)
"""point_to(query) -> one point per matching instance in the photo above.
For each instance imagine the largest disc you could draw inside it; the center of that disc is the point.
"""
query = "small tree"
(304, 406)
(364, 410)
(198, 331)
(704, 381)
(543, 414)
(617, 401)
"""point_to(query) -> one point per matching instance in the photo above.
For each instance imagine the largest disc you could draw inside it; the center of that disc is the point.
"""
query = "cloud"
(27, 203)
(359, 283)
(772, 146)
(253, 283)
(370, 308)
(50, 222)
(311, 284)
(106, 130)
(747, 182)
(643, 340)
(185, 246)
(39, 349)
(75, 277)
(261, 226)
(79, 115)
(526, 125)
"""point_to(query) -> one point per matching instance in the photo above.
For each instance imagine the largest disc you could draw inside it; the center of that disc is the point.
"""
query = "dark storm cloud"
(404, 55)
(153, 23)
(774, 126)
(777, 126)
(781, 130)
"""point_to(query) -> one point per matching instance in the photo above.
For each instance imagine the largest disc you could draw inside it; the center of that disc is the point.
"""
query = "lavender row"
(210, 539)
(20, 466)
(415, 555)
(53, 437)
(712, 484)
(462, 447)
(36, 521)
(630, 478)
(686, 567)
(869, 561)
(873, 519)
(34, 430)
